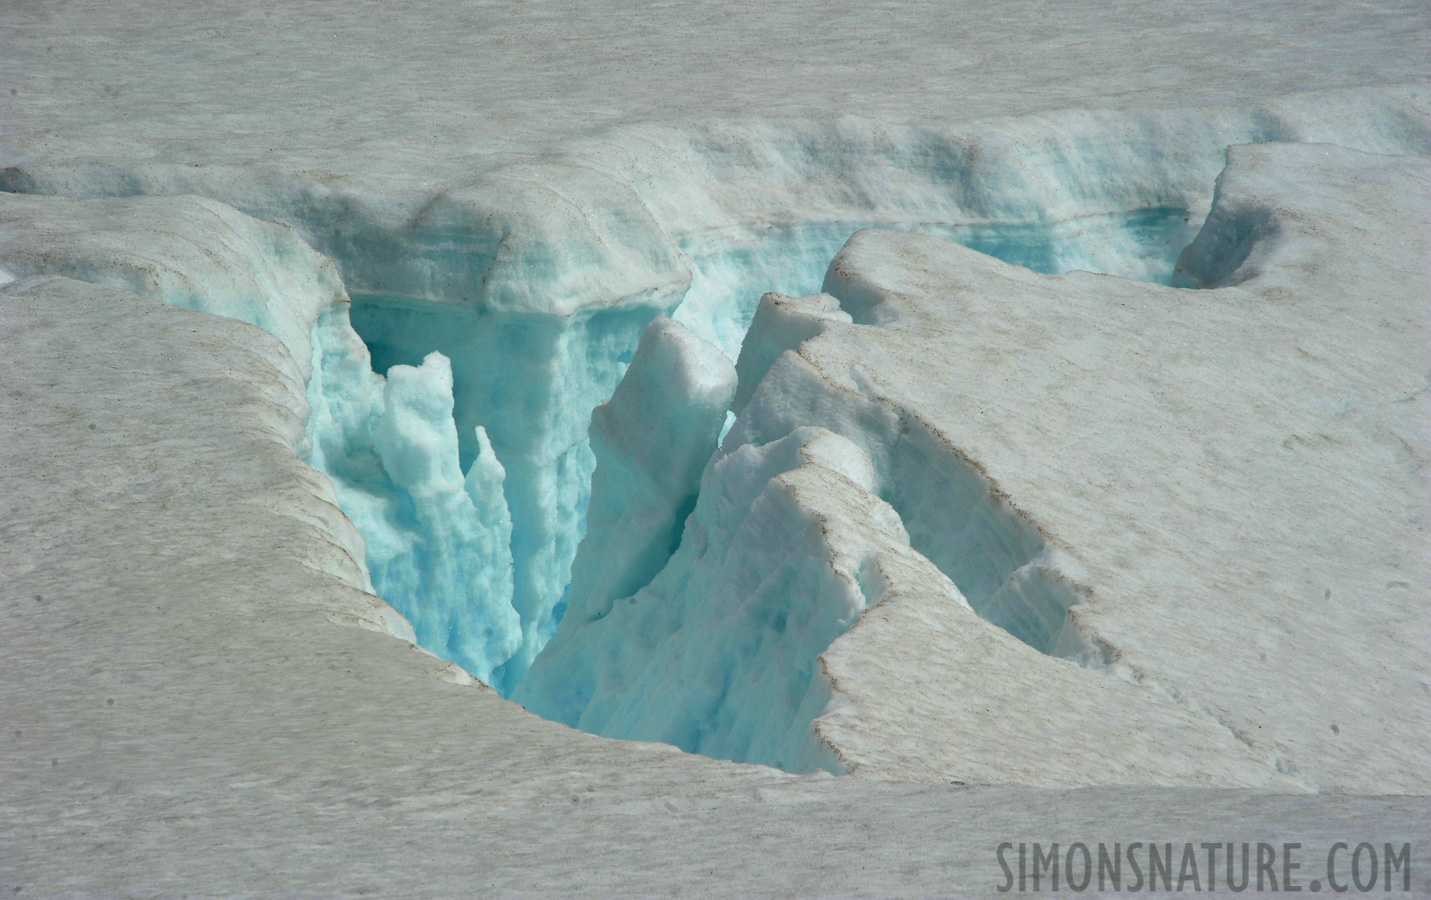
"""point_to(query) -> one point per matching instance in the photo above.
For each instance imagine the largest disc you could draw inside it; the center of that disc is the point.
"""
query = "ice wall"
(459, 532)
(651, 441)
(439, 543)
(731, 268)
(530, 381)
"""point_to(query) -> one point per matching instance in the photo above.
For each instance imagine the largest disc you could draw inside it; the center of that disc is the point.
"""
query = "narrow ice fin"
(781, 323)
(416, 438)
(484, 486)
(651, 441)
(448, 567)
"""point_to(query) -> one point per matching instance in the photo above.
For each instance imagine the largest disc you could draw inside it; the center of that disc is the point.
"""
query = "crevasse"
(482, 563)
(452, 401)
(471, 473)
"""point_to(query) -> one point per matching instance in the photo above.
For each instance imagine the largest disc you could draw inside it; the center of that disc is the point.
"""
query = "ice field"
(958, 439)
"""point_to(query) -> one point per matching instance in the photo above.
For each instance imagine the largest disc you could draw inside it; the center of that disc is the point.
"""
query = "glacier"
(551, 503)
(997, 561)
(1006, 414)
(474, 443)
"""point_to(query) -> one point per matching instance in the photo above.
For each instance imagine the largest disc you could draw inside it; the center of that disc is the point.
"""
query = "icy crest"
(718, 655)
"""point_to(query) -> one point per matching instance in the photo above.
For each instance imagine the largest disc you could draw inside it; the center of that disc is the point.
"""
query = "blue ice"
(463, 446)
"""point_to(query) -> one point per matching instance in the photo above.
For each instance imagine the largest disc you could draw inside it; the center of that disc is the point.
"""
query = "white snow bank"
(610, 219)
(188, 252)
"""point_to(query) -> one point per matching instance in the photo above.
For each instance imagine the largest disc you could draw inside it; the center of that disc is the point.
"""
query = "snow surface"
(974, 523)
(1302, 382)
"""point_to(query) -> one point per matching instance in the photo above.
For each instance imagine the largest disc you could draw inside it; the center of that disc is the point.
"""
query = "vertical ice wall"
(651, 441)
(530, 382)
(459, 532)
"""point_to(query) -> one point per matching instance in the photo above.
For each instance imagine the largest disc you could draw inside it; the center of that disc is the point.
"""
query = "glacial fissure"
(468, 468)
(452, 406)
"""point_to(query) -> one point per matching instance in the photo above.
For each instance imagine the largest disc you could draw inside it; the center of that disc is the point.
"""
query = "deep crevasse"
(531, 380)
(436, 538)
(438, 543)
(471, 478)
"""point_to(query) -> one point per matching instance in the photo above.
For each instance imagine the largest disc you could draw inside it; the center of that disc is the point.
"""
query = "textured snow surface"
(255, 744)
(494, 343)
(1144, 432)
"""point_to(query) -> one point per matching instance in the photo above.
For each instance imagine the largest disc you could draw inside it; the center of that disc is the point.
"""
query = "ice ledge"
(599, 220)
